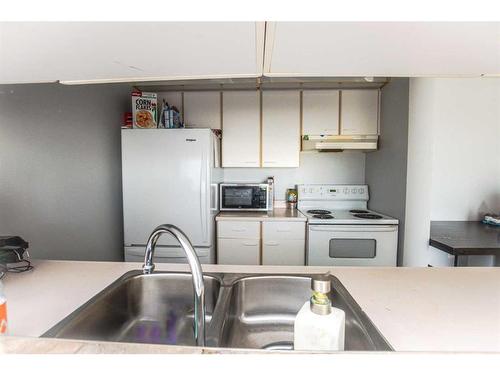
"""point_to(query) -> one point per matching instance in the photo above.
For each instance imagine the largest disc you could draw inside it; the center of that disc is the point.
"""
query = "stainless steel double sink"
(242, 311)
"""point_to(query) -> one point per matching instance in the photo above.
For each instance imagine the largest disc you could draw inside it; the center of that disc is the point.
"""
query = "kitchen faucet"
(196, 272)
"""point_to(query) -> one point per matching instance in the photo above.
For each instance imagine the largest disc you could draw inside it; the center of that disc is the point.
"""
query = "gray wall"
(346, 167)
(385, 170)
(60, 169)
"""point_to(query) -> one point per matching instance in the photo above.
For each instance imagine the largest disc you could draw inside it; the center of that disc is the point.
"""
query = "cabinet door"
(101, 51)
(283, 252)
(283, 243)
(359, 112)
(202, 109)
(241, 129)
(320, 112)
(280, 128)
(238, 251)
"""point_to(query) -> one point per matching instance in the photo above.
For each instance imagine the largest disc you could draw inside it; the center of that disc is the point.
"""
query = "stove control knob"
(361, 191)
(346, 190)
(354, 191)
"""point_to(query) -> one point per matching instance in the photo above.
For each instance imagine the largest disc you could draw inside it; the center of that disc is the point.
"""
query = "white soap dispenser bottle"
(319, 325)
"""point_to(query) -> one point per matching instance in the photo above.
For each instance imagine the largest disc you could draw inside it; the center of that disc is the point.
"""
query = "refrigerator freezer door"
(206, 255)
(166, 180)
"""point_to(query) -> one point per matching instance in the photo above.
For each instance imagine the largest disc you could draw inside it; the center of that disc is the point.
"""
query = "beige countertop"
(30, 345)
(416, 309)
(278, 214)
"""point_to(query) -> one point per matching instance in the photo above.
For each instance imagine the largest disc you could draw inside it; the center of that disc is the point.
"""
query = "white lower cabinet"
(283, 253)
(239, 242)
(283, 243)
(238, 251)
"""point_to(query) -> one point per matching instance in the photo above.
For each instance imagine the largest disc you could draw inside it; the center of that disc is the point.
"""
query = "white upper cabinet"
(386, 49)
(202, 109)
(129, 51)
(241, 129)
(359, 112)
(280, 128)
(320, 112)
(86, 52)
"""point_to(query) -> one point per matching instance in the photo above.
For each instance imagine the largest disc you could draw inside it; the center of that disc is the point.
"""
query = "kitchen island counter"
(416, 309)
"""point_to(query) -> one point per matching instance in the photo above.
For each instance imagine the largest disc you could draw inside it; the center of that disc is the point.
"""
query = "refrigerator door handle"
(204, 194)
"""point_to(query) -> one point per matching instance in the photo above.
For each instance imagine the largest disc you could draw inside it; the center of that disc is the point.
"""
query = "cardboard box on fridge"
(144, 109)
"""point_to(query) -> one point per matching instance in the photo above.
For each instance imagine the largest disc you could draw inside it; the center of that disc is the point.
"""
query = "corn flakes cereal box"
(144, 109)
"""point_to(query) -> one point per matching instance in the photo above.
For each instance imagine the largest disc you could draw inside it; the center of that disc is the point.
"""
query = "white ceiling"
(382, 49)
(32, 52)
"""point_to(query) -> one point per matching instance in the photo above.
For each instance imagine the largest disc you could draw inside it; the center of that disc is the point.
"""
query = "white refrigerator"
(170, 176)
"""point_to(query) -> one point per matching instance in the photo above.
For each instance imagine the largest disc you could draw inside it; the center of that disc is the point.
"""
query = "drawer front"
(284, 230)
(283, 253)
(238, 251)
(238, 229)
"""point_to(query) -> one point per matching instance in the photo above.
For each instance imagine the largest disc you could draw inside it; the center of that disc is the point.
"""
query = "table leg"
(455, 262)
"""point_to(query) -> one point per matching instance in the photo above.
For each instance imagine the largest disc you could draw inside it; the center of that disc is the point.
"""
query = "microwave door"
(238, 197)
(242, 198)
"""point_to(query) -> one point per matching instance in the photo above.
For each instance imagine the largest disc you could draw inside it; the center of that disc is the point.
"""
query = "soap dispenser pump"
(319, 325)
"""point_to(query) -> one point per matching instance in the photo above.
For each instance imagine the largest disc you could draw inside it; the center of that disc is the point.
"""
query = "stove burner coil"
(323, 216)
(319, 212)
(368, 216)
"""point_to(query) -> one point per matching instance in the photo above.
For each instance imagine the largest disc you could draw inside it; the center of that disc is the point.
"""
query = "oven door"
(352, 245)
(243, 198)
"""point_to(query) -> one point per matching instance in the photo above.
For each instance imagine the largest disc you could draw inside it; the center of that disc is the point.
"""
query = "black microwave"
(244, 197)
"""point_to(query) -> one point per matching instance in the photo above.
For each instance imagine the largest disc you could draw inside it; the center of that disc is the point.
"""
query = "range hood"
(339, 142)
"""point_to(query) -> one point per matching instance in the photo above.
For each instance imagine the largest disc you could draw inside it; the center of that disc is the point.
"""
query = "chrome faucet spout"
(196, 272)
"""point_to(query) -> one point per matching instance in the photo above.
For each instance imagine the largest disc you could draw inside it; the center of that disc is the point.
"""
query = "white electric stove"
(342, 231)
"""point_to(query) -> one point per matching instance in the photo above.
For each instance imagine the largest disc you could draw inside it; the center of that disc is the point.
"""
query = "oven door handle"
(351, 229)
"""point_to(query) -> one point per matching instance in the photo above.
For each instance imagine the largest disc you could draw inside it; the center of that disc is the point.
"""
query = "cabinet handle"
(249, 244)
(271, 244)
(238, 230)
(283, 230)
